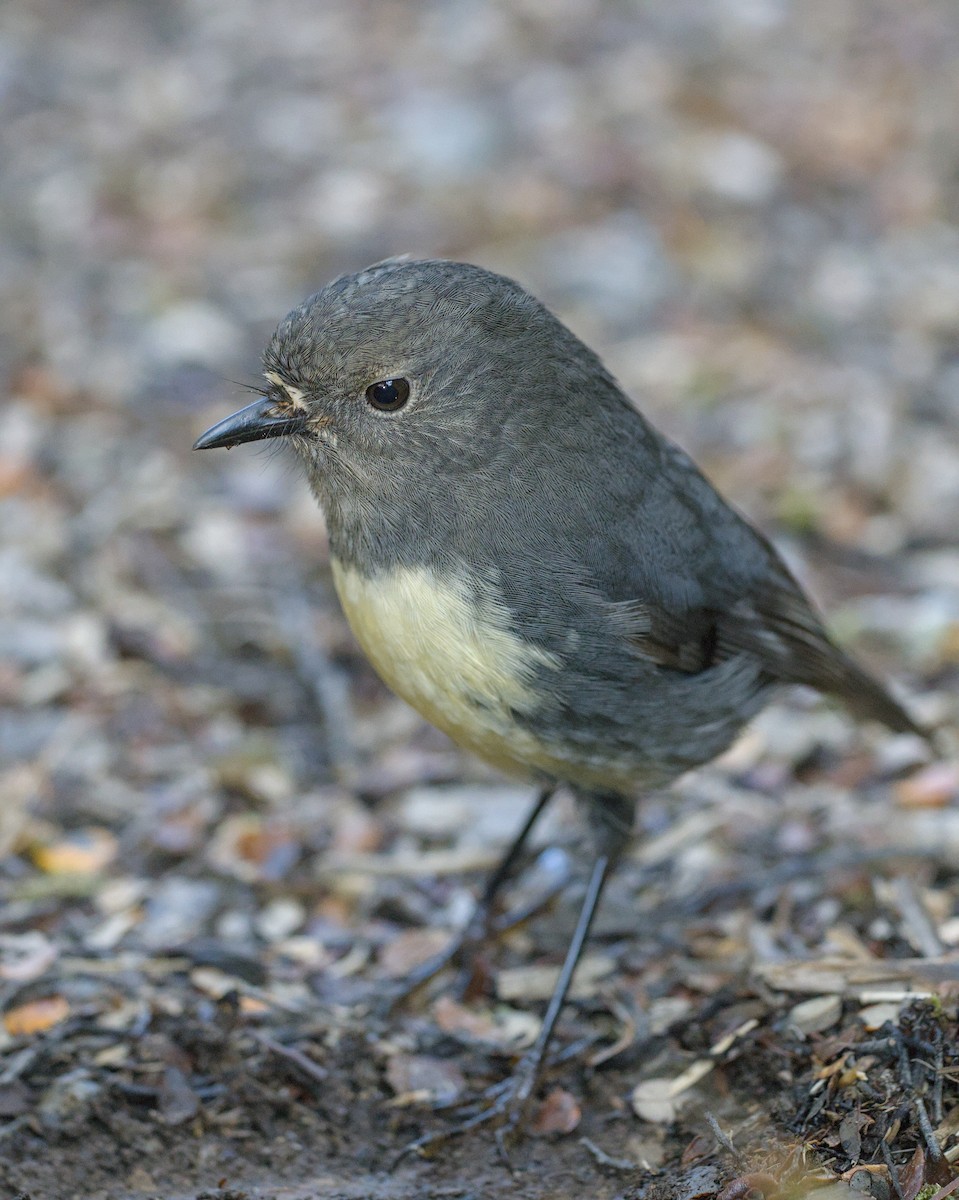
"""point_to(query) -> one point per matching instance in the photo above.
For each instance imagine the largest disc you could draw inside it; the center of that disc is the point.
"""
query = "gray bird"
(525, 559)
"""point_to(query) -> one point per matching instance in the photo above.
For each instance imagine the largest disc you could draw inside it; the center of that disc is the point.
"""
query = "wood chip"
(659, 1100)
(422, 1078)
(846, 977)
(815, 1015)
(874, 1016)
(539, 982)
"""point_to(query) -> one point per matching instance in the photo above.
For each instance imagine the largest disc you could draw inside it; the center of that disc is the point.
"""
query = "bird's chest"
(447, 646)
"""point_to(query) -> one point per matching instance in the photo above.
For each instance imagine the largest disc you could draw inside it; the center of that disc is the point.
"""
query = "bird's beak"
(261, 419)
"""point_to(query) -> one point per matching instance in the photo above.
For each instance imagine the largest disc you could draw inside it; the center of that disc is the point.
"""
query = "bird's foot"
(502, 1108)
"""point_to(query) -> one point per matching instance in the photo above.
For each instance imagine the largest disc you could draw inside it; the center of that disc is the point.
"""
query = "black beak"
(251, 424)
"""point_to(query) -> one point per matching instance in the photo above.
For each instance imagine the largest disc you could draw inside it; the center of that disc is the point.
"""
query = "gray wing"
(701, 586)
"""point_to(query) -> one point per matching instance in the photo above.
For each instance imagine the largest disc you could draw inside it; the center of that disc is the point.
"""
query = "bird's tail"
(869, 700)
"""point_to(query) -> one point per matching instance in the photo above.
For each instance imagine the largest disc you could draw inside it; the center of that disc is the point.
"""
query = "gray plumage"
(519, 458)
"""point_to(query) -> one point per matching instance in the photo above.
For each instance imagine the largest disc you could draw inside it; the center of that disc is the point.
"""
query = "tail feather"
(869, 700)
(782, 629)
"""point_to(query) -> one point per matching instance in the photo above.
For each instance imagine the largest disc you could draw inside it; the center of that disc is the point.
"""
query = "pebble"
(280, 918)
(738, 167)
(815, 1015)
(193, 332)
(68, 1096)
(178, 909)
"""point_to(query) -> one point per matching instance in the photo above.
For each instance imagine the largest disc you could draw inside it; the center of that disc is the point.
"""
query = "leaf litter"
(221, 839)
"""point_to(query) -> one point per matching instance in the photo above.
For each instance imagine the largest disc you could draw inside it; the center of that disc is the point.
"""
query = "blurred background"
(749, 207)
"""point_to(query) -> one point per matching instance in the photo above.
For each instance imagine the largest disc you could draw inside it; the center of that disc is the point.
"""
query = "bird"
(528, 561)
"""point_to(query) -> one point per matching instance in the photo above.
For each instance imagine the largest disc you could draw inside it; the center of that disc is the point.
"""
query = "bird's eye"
(389, 394)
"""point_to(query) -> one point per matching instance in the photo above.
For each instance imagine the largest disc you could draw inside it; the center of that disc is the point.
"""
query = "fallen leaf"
(539, 982)
(82, 852)
(654, 1100)
(453, 1017)
(947, 1190)
(874, 1016)
(503, 1026)
(745, 1187)
(178, 1102)
(411, 948)
(355, 829)
(559, 1113)
(254, 849)
(251, 1006)
(421, 1078)
(913, 1174)
(849, 1137)
(36, 1016)
(934, 786)
(25, 956)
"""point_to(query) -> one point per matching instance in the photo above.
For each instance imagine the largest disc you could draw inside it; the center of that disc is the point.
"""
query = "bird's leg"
(530, 1066)
(611, 817)
(479, 926)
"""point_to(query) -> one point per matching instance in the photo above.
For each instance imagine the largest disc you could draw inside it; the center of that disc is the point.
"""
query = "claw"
(505, 1113)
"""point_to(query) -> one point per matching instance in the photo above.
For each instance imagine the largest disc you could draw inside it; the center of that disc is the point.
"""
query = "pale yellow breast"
(447, 647)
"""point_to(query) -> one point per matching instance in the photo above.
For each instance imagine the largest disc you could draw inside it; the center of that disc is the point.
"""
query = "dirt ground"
(222, 840)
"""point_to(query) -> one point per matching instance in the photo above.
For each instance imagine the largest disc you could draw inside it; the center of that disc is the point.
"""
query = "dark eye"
(389, 394)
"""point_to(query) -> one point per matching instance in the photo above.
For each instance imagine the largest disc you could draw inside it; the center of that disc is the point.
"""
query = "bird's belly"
(448, 646)
(445, 644)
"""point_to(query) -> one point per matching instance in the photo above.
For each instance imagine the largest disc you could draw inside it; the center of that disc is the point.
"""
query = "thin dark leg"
(507, 863)
(531, 1064)
(509, 1107)
(478, 927)
(610, 817)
